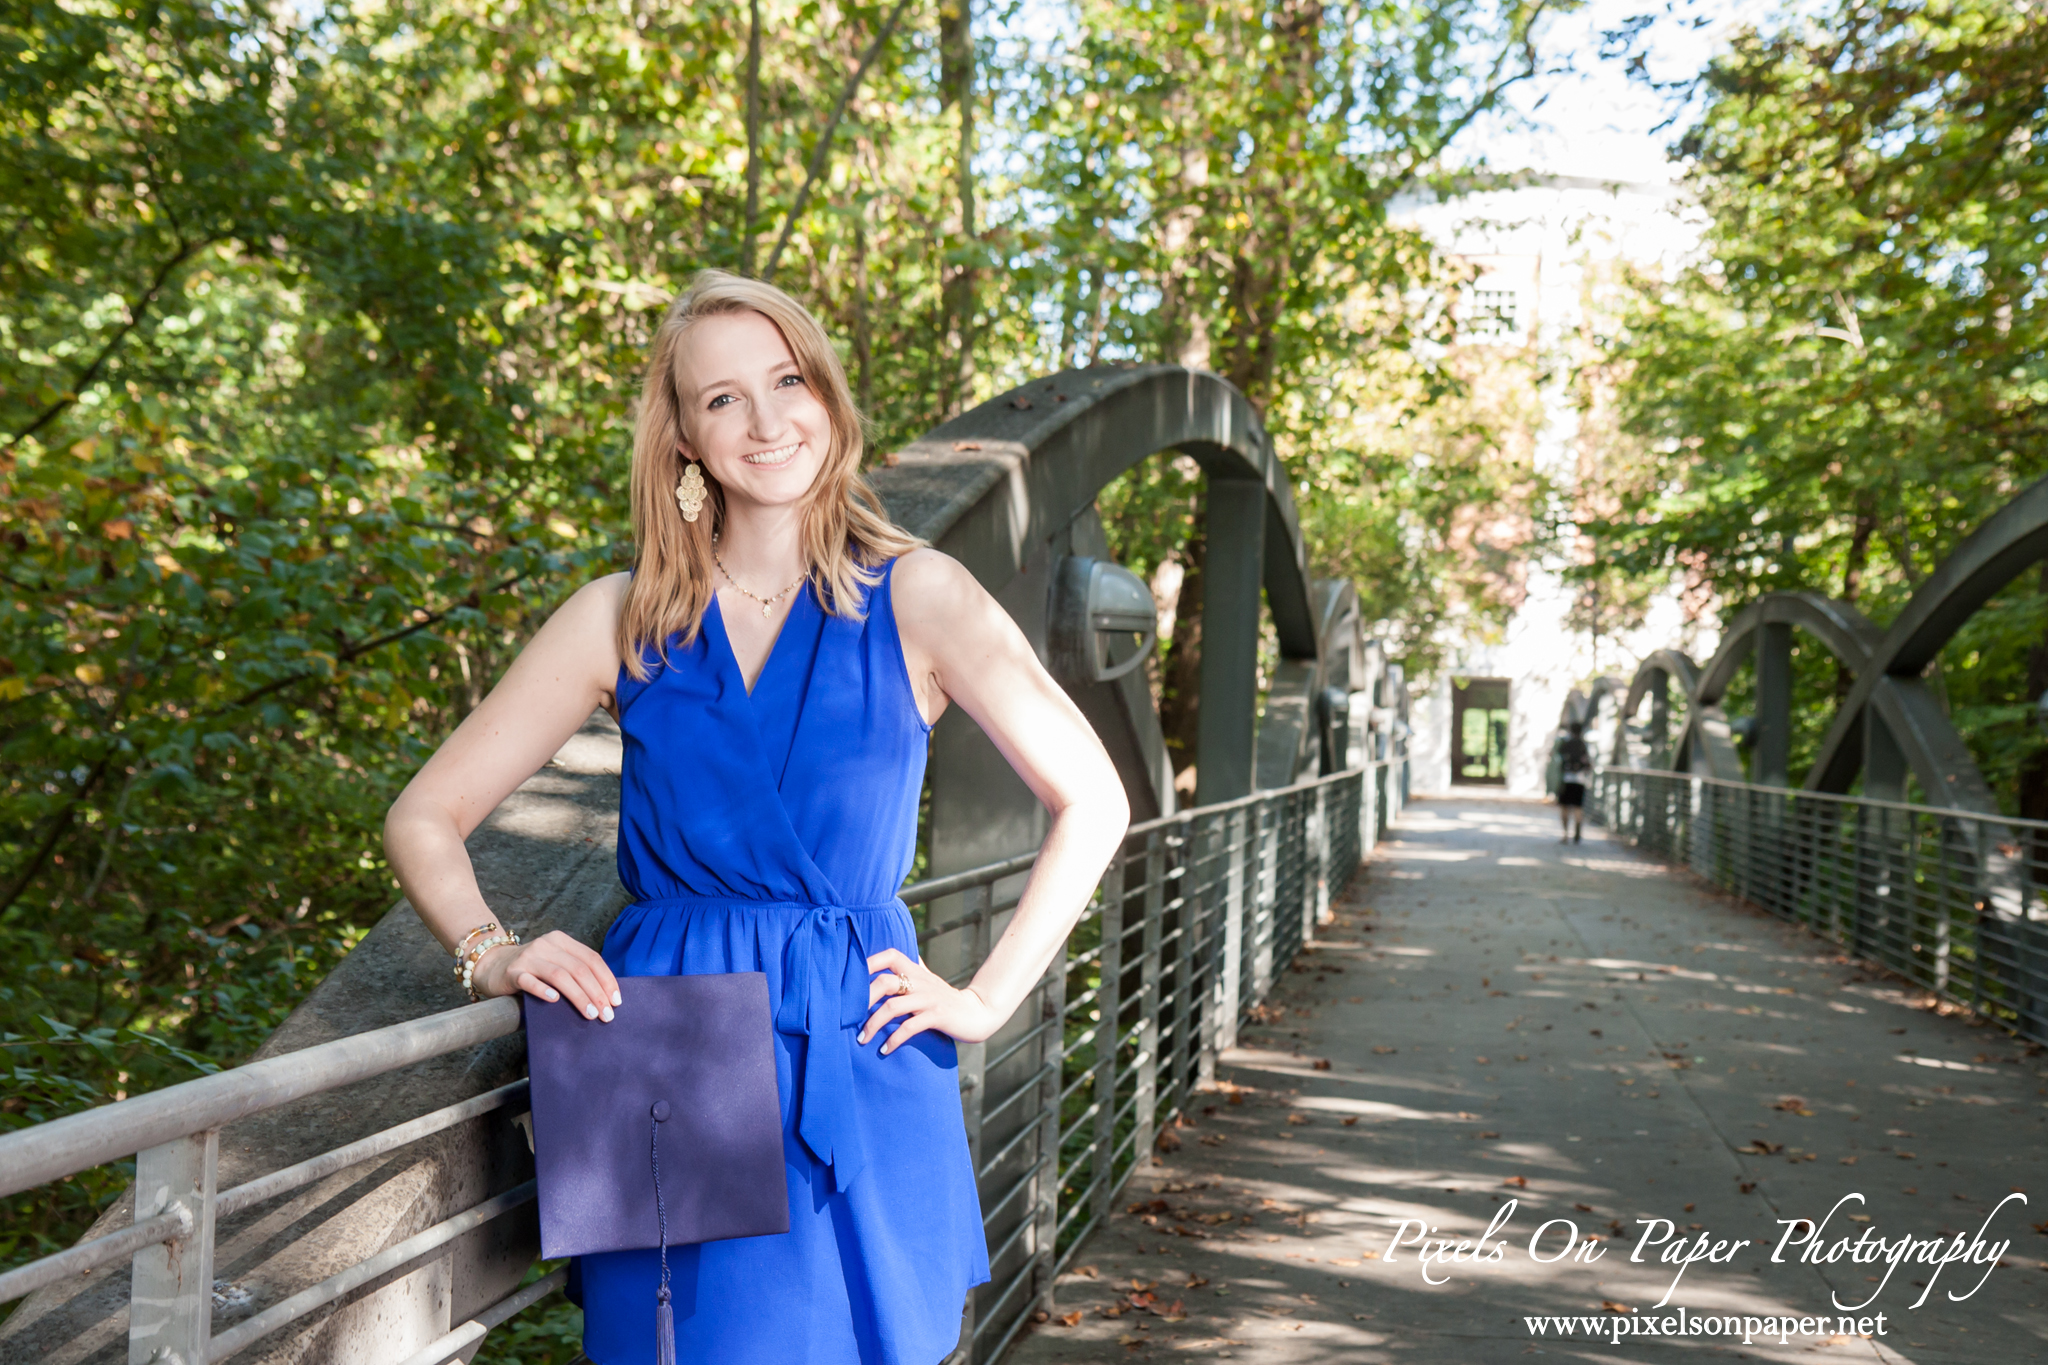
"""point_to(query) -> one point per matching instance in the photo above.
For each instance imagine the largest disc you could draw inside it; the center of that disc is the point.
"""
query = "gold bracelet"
(486, 927)
(475, 956)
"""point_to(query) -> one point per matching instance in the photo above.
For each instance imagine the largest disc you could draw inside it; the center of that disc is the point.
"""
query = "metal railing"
(1950, 900)
(1193, 920)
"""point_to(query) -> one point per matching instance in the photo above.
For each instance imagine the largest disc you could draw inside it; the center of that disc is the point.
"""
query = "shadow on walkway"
(1579, 1032)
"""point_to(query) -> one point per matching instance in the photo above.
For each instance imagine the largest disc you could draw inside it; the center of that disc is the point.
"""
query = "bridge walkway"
(1495, 1016)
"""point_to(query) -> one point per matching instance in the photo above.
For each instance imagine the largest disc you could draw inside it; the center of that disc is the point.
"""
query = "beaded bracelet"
(470, 960)
(486, 927)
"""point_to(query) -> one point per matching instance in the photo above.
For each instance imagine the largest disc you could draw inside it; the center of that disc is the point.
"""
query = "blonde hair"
(846, 535)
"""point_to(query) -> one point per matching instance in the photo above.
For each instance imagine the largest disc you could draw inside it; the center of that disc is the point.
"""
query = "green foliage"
(1214, 183)
(319, 329)
(1853, 377)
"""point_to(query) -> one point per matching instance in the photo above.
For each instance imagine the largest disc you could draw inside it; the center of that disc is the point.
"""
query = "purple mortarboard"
(661, 1128)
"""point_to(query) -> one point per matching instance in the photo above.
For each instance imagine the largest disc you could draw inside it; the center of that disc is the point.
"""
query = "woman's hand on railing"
(552, 966)
(927, 1003)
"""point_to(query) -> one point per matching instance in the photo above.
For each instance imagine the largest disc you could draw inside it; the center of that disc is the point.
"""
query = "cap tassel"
(664, 1313)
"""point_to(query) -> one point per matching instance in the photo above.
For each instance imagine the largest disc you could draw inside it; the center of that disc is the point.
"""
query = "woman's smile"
(770, 459)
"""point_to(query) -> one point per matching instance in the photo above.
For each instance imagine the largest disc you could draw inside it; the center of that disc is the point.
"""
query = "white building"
(1541, 249)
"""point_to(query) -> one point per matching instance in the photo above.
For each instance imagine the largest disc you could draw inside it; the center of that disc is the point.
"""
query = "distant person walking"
(1575, 770)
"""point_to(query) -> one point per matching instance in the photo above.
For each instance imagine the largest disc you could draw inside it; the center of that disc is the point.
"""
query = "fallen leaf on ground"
(1611, 1306)
(1351, 1122)
(1520, 1182)
(1072, 1319)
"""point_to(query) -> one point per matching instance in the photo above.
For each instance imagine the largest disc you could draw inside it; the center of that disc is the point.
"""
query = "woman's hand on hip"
(919, 996)
(552, 966)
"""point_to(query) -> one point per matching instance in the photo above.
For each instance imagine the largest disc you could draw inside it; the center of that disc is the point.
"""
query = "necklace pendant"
(766, 607)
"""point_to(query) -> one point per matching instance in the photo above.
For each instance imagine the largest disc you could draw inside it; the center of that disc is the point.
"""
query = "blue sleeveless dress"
(769, 833)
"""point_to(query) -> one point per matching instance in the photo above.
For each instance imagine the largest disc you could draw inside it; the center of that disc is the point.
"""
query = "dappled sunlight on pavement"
(1499, 1030)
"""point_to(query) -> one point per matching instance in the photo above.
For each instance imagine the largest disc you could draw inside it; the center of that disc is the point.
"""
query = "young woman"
(775, 662)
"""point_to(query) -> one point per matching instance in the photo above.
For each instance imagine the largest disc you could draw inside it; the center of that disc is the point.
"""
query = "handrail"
(1838, 798)
(78, 1142)
(1951, 900)
(1243, 880)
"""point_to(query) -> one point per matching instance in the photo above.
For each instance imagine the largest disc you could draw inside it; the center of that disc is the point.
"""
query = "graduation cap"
(661, 1128)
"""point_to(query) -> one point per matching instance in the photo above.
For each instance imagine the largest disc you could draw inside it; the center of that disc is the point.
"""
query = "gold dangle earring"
(690, 491)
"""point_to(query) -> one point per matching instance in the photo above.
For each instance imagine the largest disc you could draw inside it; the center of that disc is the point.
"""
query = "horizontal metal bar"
(245, 1334)
(230, 1202)
(1030, 1127)
(1017, 1186)
(1030, 1036)
(24, 1280)
(79, 1142)
(1027, 1088)
(459, 1340)
(920, 892)
(1837, 799)
(995, 1256)
(1023, 1273)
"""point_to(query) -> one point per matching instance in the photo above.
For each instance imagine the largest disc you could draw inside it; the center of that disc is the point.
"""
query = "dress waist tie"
(825, 998)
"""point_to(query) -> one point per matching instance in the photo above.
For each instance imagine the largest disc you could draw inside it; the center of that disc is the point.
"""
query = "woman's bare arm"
(961, 645)
(565, 672)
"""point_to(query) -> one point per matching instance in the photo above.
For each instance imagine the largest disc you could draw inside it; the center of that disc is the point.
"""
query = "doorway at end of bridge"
(1479, 731)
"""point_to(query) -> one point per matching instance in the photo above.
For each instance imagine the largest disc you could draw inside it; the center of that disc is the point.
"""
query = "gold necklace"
(767, 603)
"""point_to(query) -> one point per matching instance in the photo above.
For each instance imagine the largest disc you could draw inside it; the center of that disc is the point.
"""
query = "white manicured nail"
(616, 1000)
(607, 1014)
(590, 1011)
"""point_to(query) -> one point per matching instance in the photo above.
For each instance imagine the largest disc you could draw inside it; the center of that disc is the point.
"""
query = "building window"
(1492, 313)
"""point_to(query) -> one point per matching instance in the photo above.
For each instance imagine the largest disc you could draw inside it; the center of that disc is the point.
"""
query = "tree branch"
(136, 312)
(823, 149)
(350, 653)
(753, 136)
(59, 823)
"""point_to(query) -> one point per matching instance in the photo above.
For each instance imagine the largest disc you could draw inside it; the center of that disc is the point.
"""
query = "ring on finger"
(902, 984)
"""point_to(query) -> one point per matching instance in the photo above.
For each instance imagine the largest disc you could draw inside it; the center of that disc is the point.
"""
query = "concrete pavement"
(1518, 1032)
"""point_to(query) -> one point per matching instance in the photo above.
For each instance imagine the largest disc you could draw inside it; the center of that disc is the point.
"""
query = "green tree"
(1851, 378)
